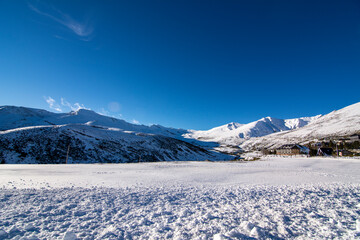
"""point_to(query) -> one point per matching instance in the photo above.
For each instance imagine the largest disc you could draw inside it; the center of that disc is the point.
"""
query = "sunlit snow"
(273, 198)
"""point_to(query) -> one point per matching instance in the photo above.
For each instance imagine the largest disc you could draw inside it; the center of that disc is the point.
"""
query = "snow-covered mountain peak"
(231, 135)
(12, 117)
(86, 115)
(234, 133)
(339, 123)
(93, 138)
(84, 112)
(233, 125)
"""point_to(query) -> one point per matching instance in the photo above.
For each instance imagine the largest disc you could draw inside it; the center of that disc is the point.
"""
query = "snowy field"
(274, 198)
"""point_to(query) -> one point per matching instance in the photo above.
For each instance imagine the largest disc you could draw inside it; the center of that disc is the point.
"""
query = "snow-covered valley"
(273, 198)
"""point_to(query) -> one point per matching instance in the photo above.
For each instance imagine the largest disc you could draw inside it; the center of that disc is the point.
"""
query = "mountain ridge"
(235, 136)
(16, 117)
(338, 123)
(29, 135)
(83, 143)
(231, 138)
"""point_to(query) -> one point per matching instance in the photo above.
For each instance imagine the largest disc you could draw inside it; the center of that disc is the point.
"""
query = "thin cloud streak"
(73, 107)
(63, 104)
(83, 30)
(52, 104)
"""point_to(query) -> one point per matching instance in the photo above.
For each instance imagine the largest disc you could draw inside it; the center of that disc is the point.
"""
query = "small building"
(323, 151)
(266, 151)
(292, 149)
(353, 138)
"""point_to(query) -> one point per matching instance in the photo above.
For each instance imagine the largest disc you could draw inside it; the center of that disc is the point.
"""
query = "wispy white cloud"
(52, 104)
(82, 29)
(73, 107)
(64, 105)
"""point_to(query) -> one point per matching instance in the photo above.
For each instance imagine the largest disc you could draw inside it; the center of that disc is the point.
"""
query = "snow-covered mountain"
(343, 122)
(233, 134)
(37, 136)
(94, 144)
(27, 134)
(16, 117)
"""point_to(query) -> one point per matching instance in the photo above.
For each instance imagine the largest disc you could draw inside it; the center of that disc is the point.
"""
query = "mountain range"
(37, 136)
(232, 135)
(340, 123)
(29, 135)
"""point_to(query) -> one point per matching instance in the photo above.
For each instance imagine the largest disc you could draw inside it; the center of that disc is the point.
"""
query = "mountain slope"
(235, 133)
(94, 144)
(160, 143)
(230, 135)
(38, 136)
(343, 122)
(16, 117)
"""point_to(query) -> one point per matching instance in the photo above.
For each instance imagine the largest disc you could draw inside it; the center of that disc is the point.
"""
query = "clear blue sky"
(187, 64)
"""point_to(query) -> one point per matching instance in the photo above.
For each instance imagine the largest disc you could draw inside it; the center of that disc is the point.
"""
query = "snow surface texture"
(277, 198)
(343, 122)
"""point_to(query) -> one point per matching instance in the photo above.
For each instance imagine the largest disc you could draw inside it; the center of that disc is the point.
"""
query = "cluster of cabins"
(292, 149)
(322, 149)
(350, 139)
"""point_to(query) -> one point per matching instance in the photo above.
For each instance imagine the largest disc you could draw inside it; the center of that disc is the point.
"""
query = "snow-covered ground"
(274, 198)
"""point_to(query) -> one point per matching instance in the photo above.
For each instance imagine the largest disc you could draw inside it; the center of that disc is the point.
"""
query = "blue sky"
(185, 64)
